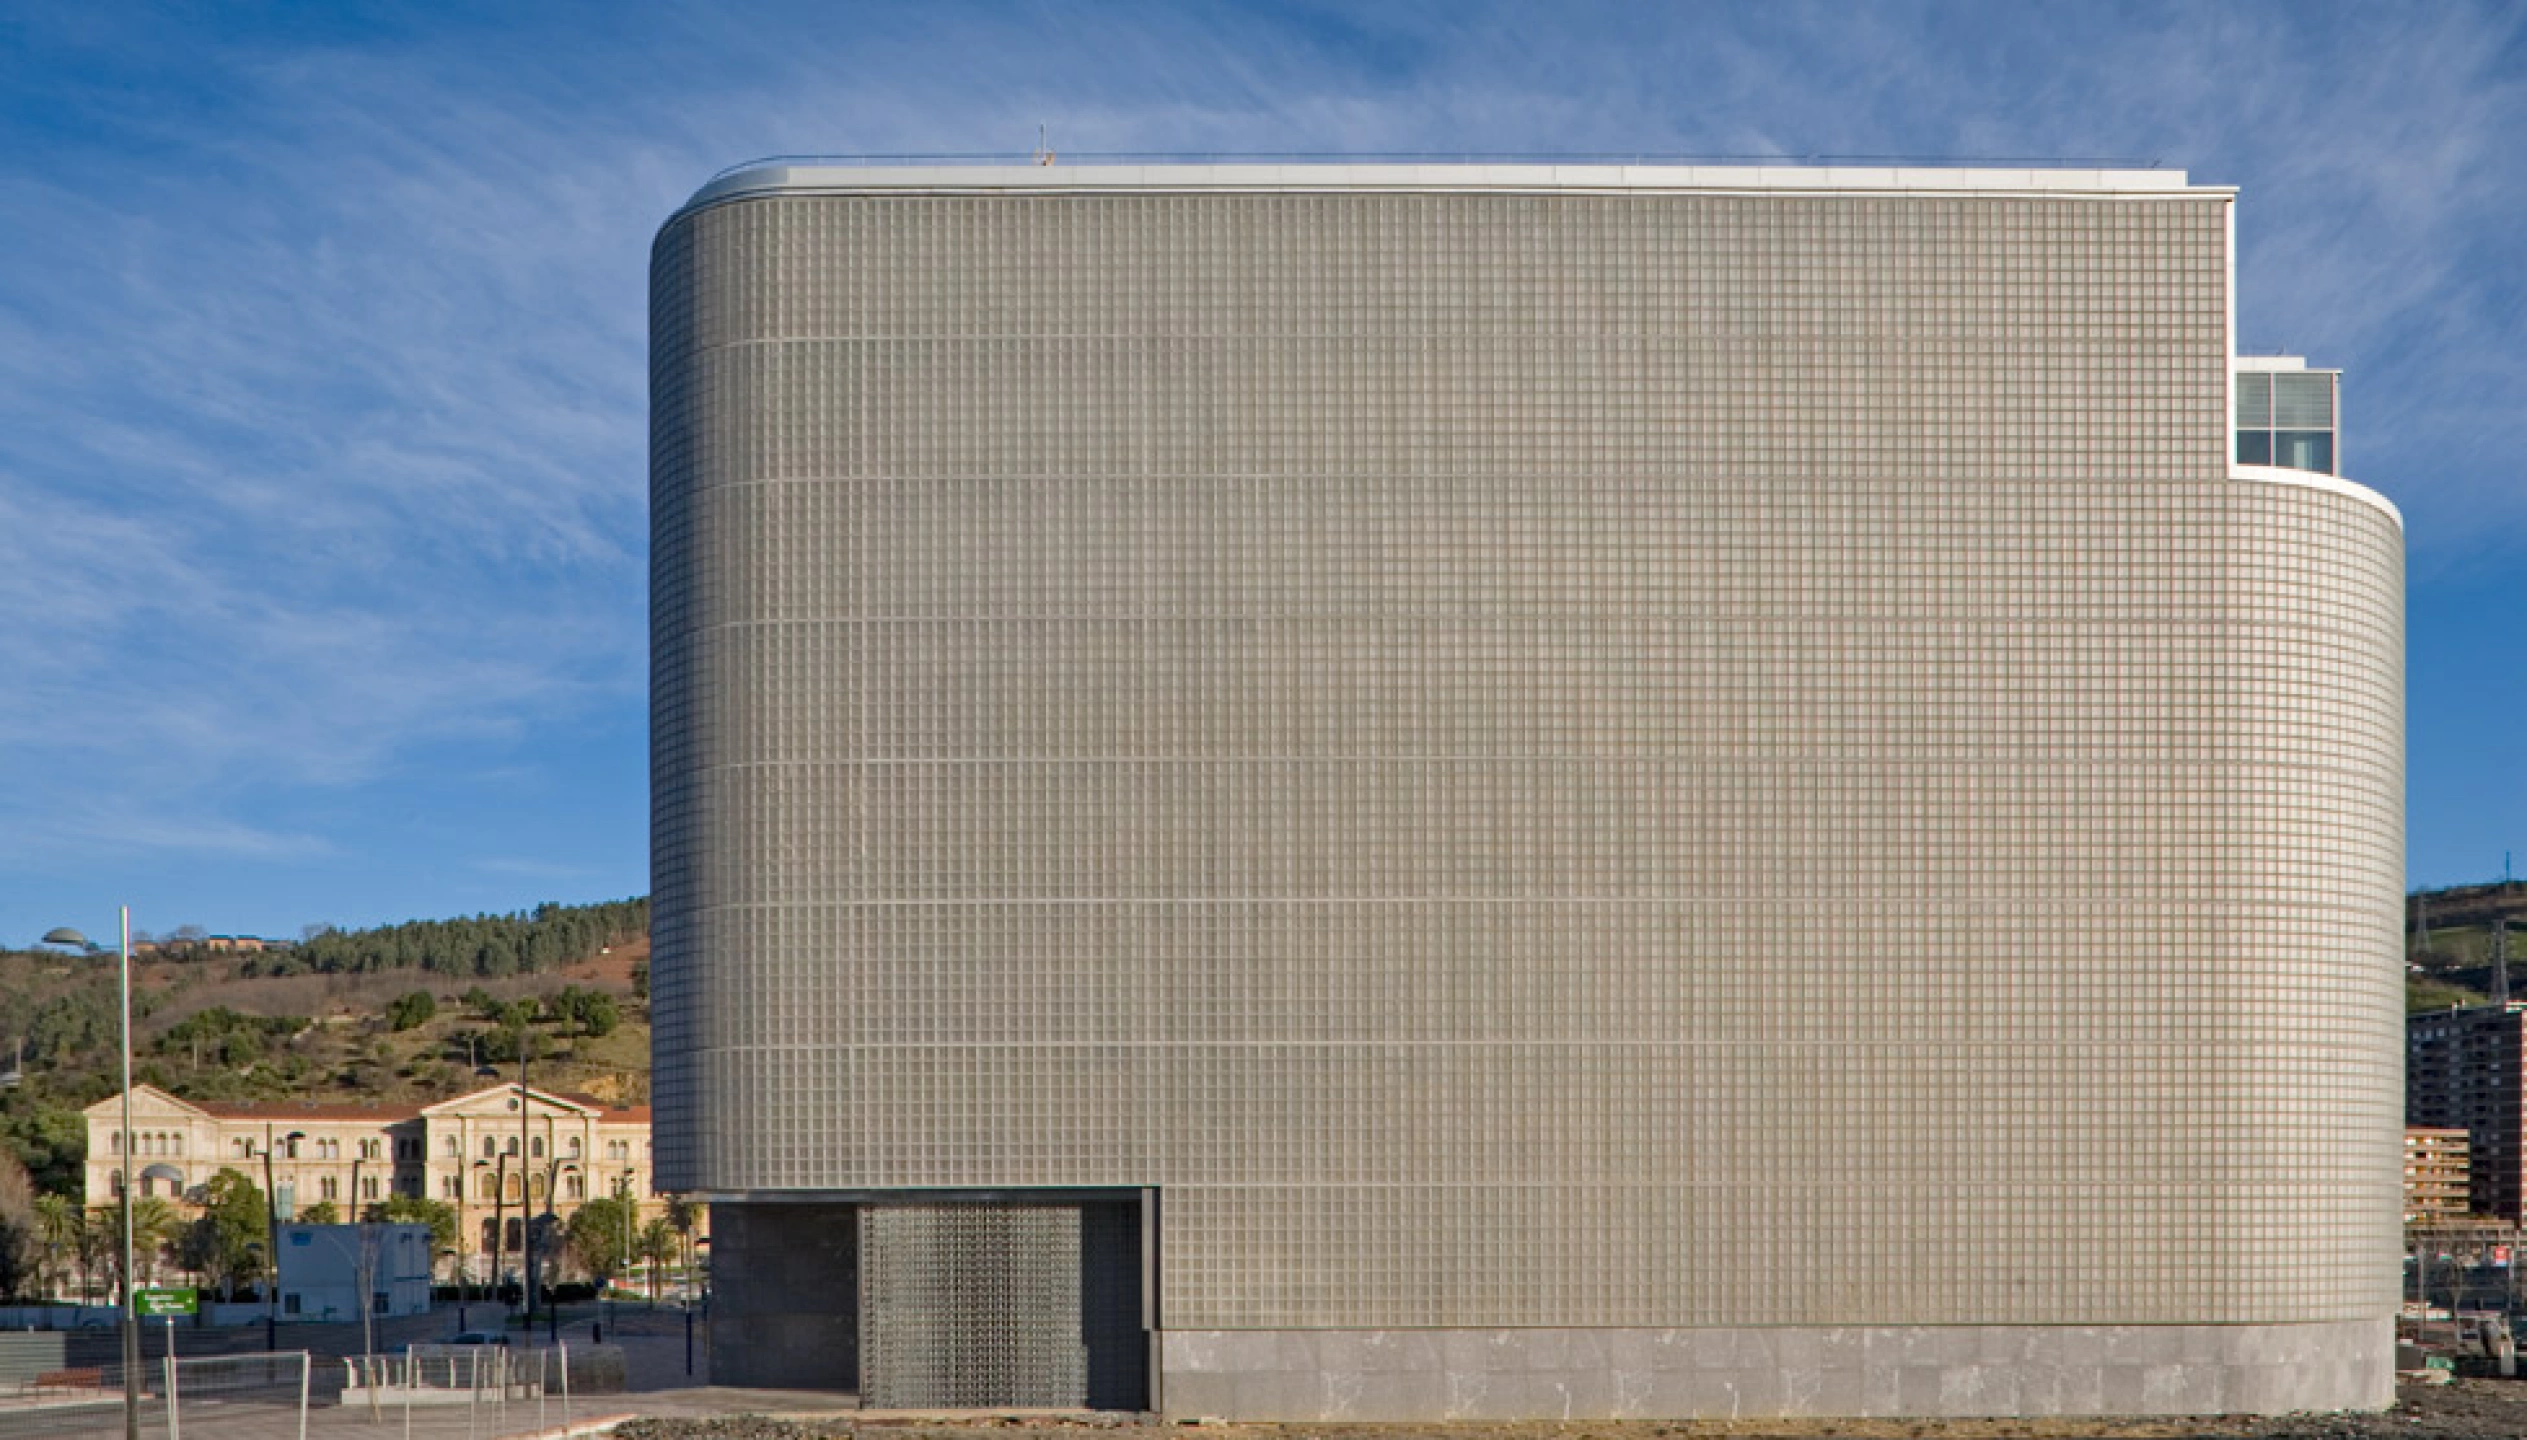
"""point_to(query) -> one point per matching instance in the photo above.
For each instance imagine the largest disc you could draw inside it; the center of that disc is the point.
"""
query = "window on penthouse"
(2286, 416)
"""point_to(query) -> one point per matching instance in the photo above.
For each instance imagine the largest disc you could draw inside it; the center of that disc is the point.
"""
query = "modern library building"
(1400, 792)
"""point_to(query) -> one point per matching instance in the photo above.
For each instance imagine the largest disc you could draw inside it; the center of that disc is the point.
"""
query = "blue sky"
(322, 408)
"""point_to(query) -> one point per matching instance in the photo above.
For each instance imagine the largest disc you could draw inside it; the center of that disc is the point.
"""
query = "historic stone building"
(497, 1155)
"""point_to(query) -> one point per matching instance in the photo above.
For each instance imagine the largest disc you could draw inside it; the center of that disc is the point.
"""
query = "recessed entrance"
(993, 1304)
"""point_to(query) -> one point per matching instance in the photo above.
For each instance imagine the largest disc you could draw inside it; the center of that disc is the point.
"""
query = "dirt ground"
(2468, 1409)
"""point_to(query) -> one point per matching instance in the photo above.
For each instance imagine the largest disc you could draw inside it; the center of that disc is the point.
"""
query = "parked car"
(477, 1337)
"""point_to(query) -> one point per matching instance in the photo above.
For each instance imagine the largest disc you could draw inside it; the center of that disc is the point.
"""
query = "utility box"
(334, 1272)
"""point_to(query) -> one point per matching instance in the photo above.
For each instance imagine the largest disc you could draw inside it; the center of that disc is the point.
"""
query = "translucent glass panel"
(1528, 759)
(2286, 418)
(2254, 400)
(2303, 401)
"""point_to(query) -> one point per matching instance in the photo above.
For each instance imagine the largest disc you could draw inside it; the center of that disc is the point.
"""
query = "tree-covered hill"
(408, 1012)
(485, 946)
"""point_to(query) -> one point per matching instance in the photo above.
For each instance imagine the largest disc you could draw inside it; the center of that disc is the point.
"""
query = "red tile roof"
(300, 1110)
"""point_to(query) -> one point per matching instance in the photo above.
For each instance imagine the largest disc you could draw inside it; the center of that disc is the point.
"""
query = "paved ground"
(2466, 1410)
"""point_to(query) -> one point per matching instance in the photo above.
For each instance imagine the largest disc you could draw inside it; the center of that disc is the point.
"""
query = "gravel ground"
(2469, 1409)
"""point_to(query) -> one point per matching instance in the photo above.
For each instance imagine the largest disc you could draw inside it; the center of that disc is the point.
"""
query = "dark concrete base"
(941, 1323)
(1820, 1371)
(785, 1283)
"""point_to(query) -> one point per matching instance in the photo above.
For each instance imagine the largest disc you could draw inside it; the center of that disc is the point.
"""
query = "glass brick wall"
(1530, 759)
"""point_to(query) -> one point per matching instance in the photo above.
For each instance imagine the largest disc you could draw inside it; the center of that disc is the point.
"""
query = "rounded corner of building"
(666, 232)
(753, 177)
(2317, 480)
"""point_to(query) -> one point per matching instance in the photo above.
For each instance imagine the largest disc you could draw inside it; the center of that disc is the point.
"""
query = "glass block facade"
(1692, 754)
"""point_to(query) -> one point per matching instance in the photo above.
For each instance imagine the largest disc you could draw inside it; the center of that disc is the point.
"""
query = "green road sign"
(157, 1304)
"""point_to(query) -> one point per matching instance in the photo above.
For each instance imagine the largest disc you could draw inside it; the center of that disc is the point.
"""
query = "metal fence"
(236, 1397)
(228, 1397)
(443, 1391)
(429, 1392)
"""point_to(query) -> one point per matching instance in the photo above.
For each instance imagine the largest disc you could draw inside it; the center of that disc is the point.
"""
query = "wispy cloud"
(534, 869)
(322, 370)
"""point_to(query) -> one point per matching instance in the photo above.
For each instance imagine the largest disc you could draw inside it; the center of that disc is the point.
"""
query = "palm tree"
(96, 1230)
(58, 1221)
(684, 1214)
(155, 1223)
(659, 1243)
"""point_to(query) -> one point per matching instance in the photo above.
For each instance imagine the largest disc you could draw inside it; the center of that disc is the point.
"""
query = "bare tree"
(21, 1230)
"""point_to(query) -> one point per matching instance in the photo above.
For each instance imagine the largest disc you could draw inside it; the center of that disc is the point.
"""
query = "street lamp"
(123, 1156)
(526, 1202)
(272, 1239)
(363, 1265)
(552, 1183)
(631, 1209)
(499, 1195)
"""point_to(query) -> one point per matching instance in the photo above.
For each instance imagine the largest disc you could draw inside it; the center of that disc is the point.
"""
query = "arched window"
(574, 1147)
(491, 1147)
(538, 1147)
(483, 1181)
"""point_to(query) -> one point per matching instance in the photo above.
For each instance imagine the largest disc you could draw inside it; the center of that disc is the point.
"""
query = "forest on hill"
(484, 947)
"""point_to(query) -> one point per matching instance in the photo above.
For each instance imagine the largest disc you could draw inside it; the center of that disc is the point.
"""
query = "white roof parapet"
(794, 177)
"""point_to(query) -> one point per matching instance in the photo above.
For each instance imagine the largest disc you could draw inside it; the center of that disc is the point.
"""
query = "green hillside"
(397, 1014)
(2449, 936)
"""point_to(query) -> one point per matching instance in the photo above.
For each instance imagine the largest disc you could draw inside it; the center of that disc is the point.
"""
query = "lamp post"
(464, 1261)
(499, 1195)
(526, 1213)
(631, 1210)
(129, 1301)
(272, 1239)
(362, 1265)
(552, 1186)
